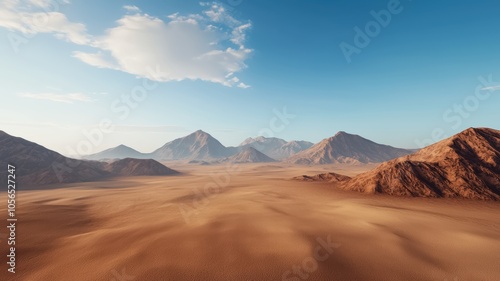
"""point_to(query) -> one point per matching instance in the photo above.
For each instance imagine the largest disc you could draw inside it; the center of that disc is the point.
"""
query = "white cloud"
(243, 85)
(41, 16)
(209, 46)
(97, 59)
(65, 98)
(132, 8)
(47, 3)
(205, 47)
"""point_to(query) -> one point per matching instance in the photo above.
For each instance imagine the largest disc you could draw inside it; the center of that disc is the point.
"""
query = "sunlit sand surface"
(250, 223)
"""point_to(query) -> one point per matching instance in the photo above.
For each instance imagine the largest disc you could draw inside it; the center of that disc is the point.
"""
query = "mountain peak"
(200, 132)
(347, 148)
(344, 134)
(198, 145)
(250, 155)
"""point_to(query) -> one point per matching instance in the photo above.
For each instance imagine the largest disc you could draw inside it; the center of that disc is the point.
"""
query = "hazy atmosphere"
(348, 140)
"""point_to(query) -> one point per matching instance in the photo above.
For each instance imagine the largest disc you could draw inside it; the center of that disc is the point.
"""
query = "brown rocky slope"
(466, 165)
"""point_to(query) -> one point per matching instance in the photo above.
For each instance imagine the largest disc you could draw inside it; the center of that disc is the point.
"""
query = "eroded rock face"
(466, 165)
(325, 177)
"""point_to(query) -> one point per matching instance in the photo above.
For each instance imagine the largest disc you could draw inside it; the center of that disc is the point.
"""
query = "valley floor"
(247, 222)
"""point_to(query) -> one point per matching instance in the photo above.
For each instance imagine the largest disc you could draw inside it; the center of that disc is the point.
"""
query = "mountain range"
(466, 165)
(201, 146)
(38, 165)
(276, 148)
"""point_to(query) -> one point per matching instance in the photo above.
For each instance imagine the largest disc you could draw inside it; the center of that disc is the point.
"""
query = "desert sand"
(258, 224)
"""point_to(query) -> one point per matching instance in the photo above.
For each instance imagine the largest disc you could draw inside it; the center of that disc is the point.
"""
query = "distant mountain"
(138, 167)
(294, 147)
(347, 148)
(466, 165)
(37, 165)
(275, 147)
(119, 152)
(249, 155)
(196, 146)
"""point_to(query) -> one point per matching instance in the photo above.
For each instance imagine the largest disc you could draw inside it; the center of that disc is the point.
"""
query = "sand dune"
(241, 223)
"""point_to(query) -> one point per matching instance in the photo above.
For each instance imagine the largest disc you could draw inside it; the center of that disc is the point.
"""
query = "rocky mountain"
(275, 147)
(293, 147)
(466, 165)
(249, 155)
(347, 148)
(325, 177)
(196, 146)
(138, 167)
(119, 152)
(37, 165)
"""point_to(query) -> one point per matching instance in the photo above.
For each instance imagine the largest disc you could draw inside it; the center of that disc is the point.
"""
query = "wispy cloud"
(41, 16)
(131, 8)
(65, 98)
(39, 125)
(150, 129)
(491, 88)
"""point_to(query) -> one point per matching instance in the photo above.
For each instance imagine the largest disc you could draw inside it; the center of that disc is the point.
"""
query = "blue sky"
(233, 67)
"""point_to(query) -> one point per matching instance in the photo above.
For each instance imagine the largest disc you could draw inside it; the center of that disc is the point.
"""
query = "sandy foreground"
(246, 222)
